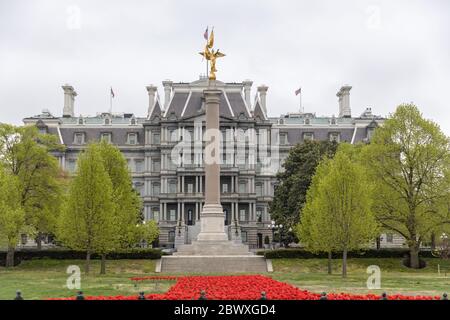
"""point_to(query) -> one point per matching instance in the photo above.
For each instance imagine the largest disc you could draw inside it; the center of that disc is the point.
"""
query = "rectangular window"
(132, 138)
(225, 188)
(259, 190)
(173, 215)
(242, 215)
(283, 138)
(173, 135)
(156, 189)
(190, 188)
(259, 215)
(308, 136)
(139, 164)
(105, 136)
(155, 214)
(156, 138)
(171, 236)
(71, 165)
(139, 188)
(172, 187)
(156, 165)
(335, 136)
(78, 138)
(244, 236)
(242, 187)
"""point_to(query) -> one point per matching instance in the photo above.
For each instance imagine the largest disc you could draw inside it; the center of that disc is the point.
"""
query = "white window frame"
(130, 134)
(78, 134)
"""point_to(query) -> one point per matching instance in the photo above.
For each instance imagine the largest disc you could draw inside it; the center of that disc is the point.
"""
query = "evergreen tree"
(294, 181)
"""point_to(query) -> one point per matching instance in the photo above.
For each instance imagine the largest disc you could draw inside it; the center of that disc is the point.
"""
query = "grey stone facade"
(173, 189)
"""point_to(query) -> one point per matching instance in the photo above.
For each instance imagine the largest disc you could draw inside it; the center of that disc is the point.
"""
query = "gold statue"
(210, 55)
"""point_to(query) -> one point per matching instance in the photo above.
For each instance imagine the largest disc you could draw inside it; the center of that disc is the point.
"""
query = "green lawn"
(39, 279)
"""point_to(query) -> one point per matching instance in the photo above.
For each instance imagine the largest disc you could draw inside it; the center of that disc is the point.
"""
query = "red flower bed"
(244, 288)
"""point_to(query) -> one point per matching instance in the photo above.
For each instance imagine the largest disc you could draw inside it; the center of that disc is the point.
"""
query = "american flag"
(205, 35)
(297, 92)
(112, 93)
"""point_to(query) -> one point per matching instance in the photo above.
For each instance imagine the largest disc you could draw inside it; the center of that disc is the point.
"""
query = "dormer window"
(79, 138)
(335, 136)
(283, 138)
(308, 136)
(107, 121)
(132, 138)
(307, 121)
(333, 121)
(80, 121)
(133, 121)
(105, 136)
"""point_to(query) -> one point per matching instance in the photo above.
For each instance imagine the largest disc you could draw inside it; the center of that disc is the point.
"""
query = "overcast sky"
(390, 51)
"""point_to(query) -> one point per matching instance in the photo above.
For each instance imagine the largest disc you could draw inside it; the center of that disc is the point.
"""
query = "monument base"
(212, 224)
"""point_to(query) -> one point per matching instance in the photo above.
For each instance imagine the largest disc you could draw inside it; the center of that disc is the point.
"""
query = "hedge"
(62, 254)
(369, 253)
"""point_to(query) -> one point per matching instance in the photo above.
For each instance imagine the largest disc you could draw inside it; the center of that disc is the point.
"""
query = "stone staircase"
(213, 248)
(214, 257)
(215, 264)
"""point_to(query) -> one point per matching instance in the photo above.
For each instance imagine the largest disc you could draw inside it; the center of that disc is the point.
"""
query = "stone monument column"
(212, 216)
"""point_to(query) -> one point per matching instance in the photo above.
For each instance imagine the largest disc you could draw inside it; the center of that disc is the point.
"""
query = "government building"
(165, 148)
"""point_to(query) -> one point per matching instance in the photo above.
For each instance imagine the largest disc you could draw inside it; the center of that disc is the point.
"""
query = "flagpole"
(301, 108)
(110, 102)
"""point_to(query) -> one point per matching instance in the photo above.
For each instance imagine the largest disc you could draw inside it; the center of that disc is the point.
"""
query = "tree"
(294, 181)
(409, 160)
(12, 217)
(337, 215)
(127, 203)
(148, 231)
(88, 223)
(27, 154)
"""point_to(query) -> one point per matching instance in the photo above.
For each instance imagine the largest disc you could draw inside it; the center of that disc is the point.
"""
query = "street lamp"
(274, 226)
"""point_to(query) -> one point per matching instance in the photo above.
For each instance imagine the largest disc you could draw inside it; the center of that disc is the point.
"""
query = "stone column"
(212, 216)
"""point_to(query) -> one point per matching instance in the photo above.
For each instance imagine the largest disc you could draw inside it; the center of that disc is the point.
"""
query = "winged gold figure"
(211, 55)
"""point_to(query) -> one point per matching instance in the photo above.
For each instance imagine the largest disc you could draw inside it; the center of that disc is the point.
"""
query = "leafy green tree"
(12, 217)
(27, 154)
(337, 215)
(148, 231)
(409, 159)
(128, 204)
(294, 181)
(88, 221)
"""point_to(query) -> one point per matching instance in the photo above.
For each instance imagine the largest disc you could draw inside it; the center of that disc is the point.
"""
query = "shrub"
(63, 254)
(369, 253)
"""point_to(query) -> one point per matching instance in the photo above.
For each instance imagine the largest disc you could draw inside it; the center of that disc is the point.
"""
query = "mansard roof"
(119, 135)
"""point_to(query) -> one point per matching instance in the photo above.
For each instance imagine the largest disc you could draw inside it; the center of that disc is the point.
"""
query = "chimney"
(247, 87)
(151, 89)
(69, 101)
(167, 84)
(344, 102)
(262, 96)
